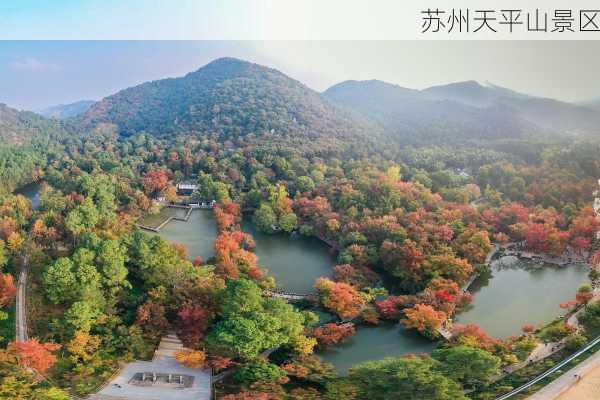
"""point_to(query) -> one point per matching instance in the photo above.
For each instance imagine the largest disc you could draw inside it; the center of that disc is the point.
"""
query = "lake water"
(375, 343)
(512, 294)
(32, 192)
(515, 293)
(295, 261)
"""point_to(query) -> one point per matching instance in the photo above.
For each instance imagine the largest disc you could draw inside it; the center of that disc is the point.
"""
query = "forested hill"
(462, 111)
(230, 98)
(20, 127)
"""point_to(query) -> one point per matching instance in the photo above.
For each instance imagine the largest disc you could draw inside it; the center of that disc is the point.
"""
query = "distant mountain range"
(230, 98)
(463, 110)
(594, 104)
(63, 111)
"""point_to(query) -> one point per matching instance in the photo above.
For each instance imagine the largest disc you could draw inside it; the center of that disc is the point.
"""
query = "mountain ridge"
(227, 97)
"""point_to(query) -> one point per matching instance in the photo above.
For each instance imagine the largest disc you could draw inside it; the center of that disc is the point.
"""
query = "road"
(550, 371)
(20, 308)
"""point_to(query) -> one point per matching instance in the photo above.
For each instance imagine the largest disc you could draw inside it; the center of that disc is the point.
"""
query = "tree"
(83, 346)
(585, 293)
(424, 318)
(414, 378)
(155, 182)
(259, 372)
(331, 334)
(340, 298)
(34, 354)
(192, 324)
(3, 254)
(82, 315)
(288, 222)
(250, 323)
(191, 359)
(265, 218)
(151, 318)
(60, 282)
(83, 217)
(304, 184)
(467, 365)
(7, 289)
(590, 318)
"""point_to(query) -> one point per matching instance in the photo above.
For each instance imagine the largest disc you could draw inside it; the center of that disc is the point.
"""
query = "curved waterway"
(295, 261)
(515, 292)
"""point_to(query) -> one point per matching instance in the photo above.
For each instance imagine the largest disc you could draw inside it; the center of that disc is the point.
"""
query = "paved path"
(548, 372)
(568, 380)
(20, 307)
(122, 388)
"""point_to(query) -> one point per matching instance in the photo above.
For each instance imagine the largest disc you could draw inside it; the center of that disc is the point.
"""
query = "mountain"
(549, 114)
(63, 111)
(230, 98)
(416, 117)
(462, 111)
(473, 93)
(19, 127)
(594, 104)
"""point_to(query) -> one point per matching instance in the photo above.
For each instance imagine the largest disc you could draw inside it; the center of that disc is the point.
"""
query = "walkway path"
(157, 384)
(565, 383)
(557, 367)
(20, 307)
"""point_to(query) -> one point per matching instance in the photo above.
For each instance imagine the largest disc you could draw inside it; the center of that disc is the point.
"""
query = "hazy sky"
(34, 75)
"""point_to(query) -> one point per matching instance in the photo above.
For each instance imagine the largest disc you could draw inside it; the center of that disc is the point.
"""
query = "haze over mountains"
(232, 98)
(63, 111)
(463, 110)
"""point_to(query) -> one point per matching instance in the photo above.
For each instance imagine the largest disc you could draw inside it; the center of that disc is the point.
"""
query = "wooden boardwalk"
(185, 218)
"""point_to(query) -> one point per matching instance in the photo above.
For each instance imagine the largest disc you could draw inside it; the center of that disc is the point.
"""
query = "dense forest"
(411, 222)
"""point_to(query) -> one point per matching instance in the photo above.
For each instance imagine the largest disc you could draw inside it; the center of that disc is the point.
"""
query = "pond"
(197, 234)
(295, 261)
(32, 192)
(375, 343)
(515, 292)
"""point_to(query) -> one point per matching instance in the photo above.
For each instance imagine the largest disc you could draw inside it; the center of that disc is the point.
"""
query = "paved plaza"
(161, 378)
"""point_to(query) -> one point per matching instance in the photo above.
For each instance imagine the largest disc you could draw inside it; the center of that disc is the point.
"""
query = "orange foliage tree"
(423, 318)
(191, 359)
(331, 334)
(34, 354)
(7, 289)
(340, 298)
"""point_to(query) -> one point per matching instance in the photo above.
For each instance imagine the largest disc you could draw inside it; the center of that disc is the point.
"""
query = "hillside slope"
(230, 98)
(20, 127)
(462, 111)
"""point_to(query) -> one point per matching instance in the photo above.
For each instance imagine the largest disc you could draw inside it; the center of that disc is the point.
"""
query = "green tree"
(409, 378)
(60, 282)
(259, 372)
(250, 323)
(81, 316)
(304, 184)
(467, 365)
(83, 217)
(264, 218)
(288, 222)
(591, 318)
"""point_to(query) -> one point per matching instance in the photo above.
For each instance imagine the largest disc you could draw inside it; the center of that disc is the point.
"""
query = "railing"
(550, 371)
